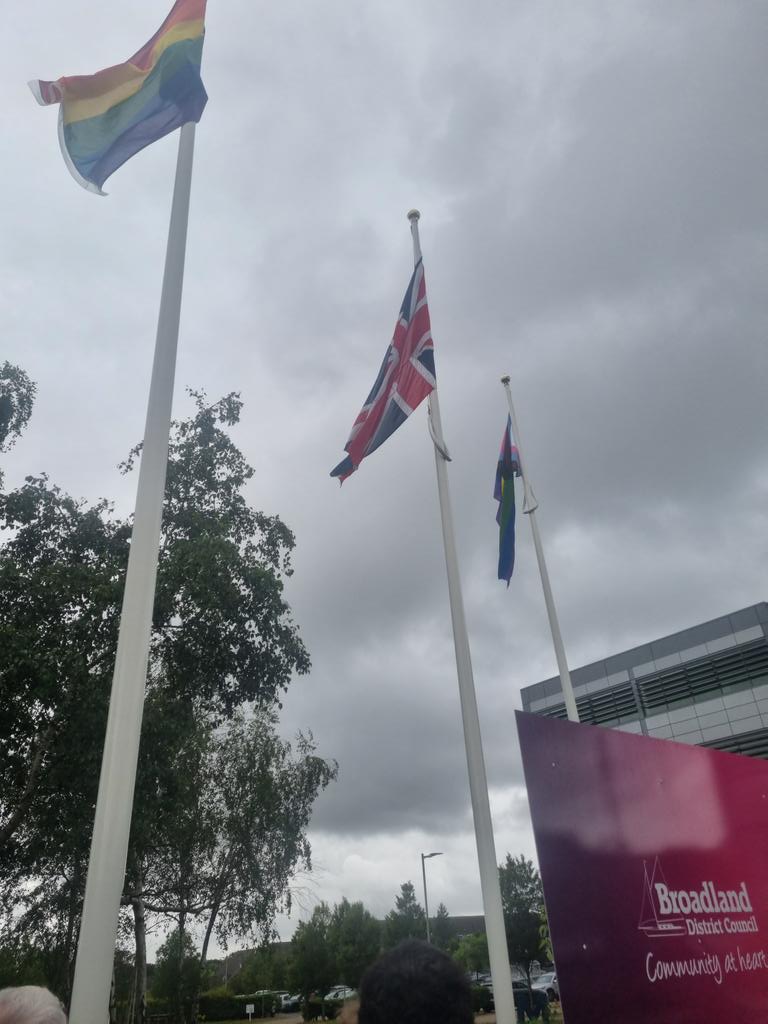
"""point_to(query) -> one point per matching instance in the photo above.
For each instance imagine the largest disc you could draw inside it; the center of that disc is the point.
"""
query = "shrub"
(219, 1004)
(157, 1007)
(482, 999)
(316, 1009)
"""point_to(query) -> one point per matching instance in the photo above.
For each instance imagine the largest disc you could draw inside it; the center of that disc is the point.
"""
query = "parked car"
(341, 992)
(530, 1004)
(289, 1003)
(548, 983)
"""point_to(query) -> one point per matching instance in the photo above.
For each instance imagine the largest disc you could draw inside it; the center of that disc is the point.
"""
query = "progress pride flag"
(654, 859)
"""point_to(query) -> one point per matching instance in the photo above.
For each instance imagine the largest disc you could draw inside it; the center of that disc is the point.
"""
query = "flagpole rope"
(438, 442)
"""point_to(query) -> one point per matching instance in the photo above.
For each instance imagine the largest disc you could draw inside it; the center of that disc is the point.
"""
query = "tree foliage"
(406, 921)
(61, 569)
(355, 937)
(222, 803)
(17, 396)
(334, 946)
(522, 900)
(313, 965)
(263, 968)
(222, 632)
(472, 952)
(60, 588)
(177, 974)
(234, 832)
(440, 929)
(21, 964)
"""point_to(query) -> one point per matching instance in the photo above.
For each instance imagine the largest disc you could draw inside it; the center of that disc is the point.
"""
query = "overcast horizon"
(591, 180)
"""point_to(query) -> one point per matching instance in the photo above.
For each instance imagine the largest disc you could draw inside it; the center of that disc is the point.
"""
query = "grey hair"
(30, 1004)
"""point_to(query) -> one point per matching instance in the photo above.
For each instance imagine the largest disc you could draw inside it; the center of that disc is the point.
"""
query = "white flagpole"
(109, 845)
(529, 508)
(478, 783)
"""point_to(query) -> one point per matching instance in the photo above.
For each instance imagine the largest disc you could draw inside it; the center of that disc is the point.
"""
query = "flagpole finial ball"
(413, 215)
(505, 379)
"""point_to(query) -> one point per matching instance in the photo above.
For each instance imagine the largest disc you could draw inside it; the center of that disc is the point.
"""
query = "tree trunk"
(203, 959)
(13, 822)
(208, 932)
(181, 1018)
(74, 906)
(140, 959)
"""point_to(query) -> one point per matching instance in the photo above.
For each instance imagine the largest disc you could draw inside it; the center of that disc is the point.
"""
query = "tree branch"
(11, 825)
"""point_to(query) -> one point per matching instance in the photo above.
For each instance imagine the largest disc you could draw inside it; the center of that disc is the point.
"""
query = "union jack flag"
(406, 377)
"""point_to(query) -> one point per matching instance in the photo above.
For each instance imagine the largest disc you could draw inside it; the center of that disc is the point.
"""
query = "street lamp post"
(426, 856)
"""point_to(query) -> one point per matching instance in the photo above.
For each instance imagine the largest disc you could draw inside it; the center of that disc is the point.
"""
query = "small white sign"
(249, 1009)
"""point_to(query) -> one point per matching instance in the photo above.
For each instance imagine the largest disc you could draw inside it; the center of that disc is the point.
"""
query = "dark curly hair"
(414, 983)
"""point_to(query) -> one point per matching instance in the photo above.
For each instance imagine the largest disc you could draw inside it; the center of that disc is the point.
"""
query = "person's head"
(414, 983)
(30, 1004)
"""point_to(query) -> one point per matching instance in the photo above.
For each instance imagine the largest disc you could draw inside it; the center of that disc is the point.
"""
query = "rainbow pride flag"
(107, 117)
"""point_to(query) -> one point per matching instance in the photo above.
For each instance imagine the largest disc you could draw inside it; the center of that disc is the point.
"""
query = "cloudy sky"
(591, 178)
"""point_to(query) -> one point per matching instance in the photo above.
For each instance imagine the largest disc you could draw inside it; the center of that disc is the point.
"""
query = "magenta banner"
(654, 859)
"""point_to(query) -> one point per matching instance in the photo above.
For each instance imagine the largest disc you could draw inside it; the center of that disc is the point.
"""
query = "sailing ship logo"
(654, 926)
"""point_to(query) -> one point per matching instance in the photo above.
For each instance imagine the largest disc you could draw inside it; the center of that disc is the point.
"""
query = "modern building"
(706, 685)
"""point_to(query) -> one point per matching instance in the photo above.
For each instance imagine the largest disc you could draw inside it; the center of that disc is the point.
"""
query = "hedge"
(219, 1005)
(317, 1009)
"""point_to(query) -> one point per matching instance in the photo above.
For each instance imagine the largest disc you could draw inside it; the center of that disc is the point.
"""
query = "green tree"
(222, 636)
(222, 632)
(263, 968)
(170, 818)
(313, 966)
(222, 639)
(261, 801)
(355, 936)
(256, 972)
(472, 952)
(279, 969)
(440, 929)
(21, 964)
(177, 974)
(60, 591)
(235, 831)
(406, 921)
(17, 396)
(522, 899)
(61, 567)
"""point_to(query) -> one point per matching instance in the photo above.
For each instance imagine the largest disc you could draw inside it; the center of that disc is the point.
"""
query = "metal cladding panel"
(654, 859)
(744, 618)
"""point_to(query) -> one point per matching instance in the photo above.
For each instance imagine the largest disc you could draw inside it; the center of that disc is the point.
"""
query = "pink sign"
(654, 859)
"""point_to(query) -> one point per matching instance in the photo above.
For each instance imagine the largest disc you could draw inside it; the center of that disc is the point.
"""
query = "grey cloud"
(594, 223)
